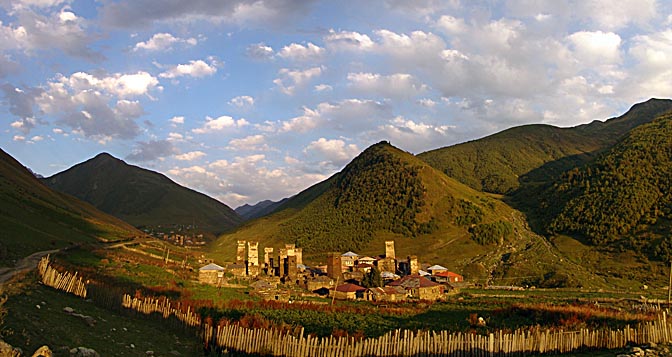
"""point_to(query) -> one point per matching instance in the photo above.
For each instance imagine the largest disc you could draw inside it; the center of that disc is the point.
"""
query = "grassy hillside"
(500, 163)
(624, 193)
(386, 193)
(142, 197)
(33, 217)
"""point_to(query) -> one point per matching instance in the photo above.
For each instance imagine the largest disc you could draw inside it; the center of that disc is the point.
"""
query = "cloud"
(151, 150)
(607, 16)
(246, 179)
(348, 116)
(323, 88)
(213, 125)
(337, 152)
(259, 51)
(593, 48)
(307, 53)
(348, 41)
(93, 106)
(135, 13)
(190, 156)
(398, 85)
(22, 104)
(292, 80)
(8, 66)
(414, 136)
(177, 120)
(195, 68)
(163, 42)
(250, 143)
(243, 101)
(118, 84)
(63, 30)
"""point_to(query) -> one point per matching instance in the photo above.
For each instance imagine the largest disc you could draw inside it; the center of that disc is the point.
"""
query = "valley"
(543, 228)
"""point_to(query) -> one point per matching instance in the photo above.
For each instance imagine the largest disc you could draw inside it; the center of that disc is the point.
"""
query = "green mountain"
(622, 196)
(142, 197)
(34, 217)
(259, 209)
(386, 193)
(502, 162)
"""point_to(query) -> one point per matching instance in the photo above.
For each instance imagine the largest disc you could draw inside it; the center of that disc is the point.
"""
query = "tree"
(372, 279)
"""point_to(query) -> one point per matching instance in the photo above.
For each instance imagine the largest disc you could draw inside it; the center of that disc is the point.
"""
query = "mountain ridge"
(140, 196)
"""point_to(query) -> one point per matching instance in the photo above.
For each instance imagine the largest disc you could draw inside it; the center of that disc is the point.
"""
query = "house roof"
(350, 254)
(211, 266)
(388, 290)
(262, 285)
(388, 275)
(367, 259)
(448, 274)
(437, 267)
(423, 273)
(349, 288)
(414, 281)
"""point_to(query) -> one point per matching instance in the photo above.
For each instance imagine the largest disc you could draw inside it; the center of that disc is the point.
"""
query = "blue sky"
(248, 100)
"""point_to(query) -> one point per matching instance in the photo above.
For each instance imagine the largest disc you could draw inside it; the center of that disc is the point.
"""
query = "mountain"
(34, 217)
(142, 197)
(501, 162)
(624, 195)
(386, 193)
(259, 209)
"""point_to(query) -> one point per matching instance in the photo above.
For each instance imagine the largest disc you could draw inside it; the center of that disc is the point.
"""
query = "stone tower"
(240, 252)
(298, 253)
(334, 269)
(389, 249)
(253, 254)
(413, 266)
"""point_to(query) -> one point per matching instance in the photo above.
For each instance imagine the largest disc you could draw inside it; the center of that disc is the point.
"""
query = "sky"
(247, 100)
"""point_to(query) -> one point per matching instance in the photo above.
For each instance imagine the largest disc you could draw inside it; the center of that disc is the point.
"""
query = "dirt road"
(23, 265)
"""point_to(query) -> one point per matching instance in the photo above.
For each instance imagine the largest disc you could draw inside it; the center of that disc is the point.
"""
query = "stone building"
(334, 266)
(349, 292)
(212, 274)
(421, 288)
(240, 252)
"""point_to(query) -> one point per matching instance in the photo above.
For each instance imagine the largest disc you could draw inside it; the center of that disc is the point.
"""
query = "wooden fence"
(61, 281)
(429, 343)
(150, 305)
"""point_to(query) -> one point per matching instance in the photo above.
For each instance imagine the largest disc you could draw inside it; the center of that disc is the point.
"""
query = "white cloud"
(348, 41)
(596, 47)
(260, 51)
(175, 137)
(292, 80)
(414, 136)
(195, 68)
(19, 138)
(307, 53)
(250, 143)
(221, 123)
(427, 102)
(243, 101)
(398, 85)
(177, 120)
(163, 42)
(190, 156)
(62, 30)
(451, 25)
(117, 84)
(37, 138)
(323, 88)
(337, 152)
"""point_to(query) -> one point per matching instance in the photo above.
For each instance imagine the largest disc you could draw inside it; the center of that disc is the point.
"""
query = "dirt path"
(23, 265)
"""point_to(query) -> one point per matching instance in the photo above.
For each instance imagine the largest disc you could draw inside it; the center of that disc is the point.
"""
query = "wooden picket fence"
(165, 307)
(65, 281)
(272, 342)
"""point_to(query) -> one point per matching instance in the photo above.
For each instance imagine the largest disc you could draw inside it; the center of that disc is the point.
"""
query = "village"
(347, 276)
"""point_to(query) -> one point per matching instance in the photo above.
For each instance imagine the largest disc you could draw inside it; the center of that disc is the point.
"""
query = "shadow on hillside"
(535, 197)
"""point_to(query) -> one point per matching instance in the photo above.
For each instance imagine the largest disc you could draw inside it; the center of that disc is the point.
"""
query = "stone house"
(386, 294)
(435, 269)
(448, 277)
(349, 291)
(348, 260)
(319, 282)
(212, 274)
(421, 288)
